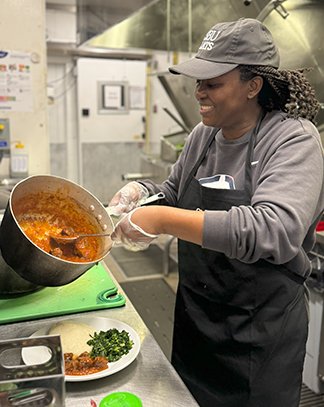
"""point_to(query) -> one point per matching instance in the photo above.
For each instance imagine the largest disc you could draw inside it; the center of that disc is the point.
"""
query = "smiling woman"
(242, 250)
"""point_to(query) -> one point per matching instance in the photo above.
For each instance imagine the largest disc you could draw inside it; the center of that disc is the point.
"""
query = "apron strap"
(194, 169)
(249, 155)
(298, 278)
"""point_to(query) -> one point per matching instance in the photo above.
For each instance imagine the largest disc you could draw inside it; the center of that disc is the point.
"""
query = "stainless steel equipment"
(180, 90)
(298, 32)
(172, 145)
(38, 385)
(11, 283)
(313, 374)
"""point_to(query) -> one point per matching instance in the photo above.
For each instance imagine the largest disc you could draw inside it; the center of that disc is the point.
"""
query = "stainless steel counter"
(151, 377)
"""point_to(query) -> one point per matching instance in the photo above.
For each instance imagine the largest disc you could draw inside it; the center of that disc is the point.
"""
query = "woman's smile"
(205, 109)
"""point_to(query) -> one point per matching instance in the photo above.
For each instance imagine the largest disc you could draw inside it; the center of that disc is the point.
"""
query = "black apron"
(240, 329)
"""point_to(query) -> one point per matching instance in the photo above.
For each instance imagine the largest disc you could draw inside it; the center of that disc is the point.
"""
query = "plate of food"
(92, 347)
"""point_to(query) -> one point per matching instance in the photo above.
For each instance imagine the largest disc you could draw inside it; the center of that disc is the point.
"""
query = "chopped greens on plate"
(112, 344)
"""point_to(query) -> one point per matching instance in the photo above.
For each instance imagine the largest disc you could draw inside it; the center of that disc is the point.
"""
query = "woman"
(243, 199)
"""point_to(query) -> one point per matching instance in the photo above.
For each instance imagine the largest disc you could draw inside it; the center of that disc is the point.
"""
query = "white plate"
(40, 354)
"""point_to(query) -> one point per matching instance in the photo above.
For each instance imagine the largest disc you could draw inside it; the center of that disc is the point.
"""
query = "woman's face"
(223, 100)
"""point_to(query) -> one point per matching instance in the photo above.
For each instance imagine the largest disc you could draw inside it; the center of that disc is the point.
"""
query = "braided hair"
(286, 90)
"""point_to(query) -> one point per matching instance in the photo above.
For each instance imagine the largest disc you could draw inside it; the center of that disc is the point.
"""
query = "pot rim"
(75, 185)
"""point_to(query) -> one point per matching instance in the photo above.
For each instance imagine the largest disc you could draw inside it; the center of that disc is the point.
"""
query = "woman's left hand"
(130, 235)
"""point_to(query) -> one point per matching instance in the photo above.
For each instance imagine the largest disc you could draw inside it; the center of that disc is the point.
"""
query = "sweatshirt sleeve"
(286, 202)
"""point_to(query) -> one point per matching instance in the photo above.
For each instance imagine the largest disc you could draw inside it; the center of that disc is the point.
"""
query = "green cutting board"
(94, 290)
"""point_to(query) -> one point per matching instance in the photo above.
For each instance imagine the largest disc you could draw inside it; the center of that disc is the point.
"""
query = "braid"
(286, 90)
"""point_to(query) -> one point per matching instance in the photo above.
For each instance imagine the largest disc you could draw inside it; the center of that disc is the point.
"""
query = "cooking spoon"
(73, 239)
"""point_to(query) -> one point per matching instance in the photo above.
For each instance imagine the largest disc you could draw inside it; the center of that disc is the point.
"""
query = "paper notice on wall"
(15, 81)
(137, 97)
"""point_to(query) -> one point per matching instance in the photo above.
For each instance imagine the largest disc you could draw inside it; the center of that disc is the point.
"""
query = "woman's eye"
(204, 85)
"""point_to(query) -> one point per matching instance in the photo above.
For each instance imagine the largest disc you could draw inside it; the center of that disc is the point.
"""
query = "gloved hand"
(130, 235)
(127, 198)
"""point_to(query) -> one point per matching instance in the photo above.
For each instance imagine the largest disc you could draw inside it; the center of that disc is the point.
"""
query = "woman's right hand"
(127, 198)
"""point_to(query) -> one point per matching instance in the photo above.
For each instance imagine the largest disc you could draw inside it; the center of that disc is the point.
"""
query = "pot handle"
(147, 201)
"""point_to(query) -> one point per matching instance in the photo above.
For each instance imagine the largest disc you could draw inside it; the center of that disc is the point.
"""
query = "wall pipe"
(168, 29)
(190, 27)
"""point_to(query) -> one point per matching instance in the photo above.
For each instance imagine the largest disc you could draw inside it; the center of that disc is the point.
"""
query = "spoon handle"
(93, 235)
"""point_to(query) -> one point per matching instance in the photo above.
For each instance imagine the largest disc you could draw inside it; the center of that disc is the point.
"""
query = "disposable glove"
(130, 235)
(127, 198)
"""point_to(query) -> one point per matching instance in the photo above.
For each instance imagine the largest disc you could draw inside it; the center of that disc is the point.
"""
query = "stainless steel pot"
(11, 284)
(28, 260)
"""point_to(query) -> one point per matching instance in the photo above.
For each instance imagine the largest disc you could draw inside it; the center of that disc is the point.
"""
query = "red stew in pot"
(42, 215)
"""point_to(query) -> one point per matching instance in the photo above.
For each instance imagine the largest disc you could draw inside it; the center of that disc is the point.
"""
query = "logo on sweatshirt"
(209, 40)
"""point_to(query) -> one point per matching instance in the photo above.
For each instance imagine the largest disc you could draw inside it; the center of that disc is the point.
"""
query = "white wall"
(110, 126)
(75, 139)
(62, 112)
(22, 28)
(61, 26)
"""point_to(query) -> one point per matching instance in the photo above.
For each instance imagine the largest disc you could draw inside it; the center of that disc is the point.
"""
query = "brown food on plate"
(42, 215)
(84, 364)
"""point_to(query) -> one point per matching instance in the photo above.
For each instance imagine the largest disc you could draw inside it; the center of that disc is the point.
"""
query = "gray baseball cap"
(226, 45)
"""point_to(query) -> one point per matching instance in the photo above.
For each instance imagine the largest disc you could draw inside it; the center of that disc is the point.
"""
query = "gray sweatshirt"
(287, 190)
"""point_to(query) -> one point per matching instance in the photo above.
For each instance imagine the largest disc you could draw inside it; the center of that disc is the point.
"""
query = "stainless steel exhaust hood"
(179, 25)
(176, 25)
(96, 16)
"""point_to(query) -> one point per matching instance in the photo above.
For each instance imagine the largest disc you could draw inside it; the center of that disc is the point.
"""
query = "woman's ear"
(255, 85)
